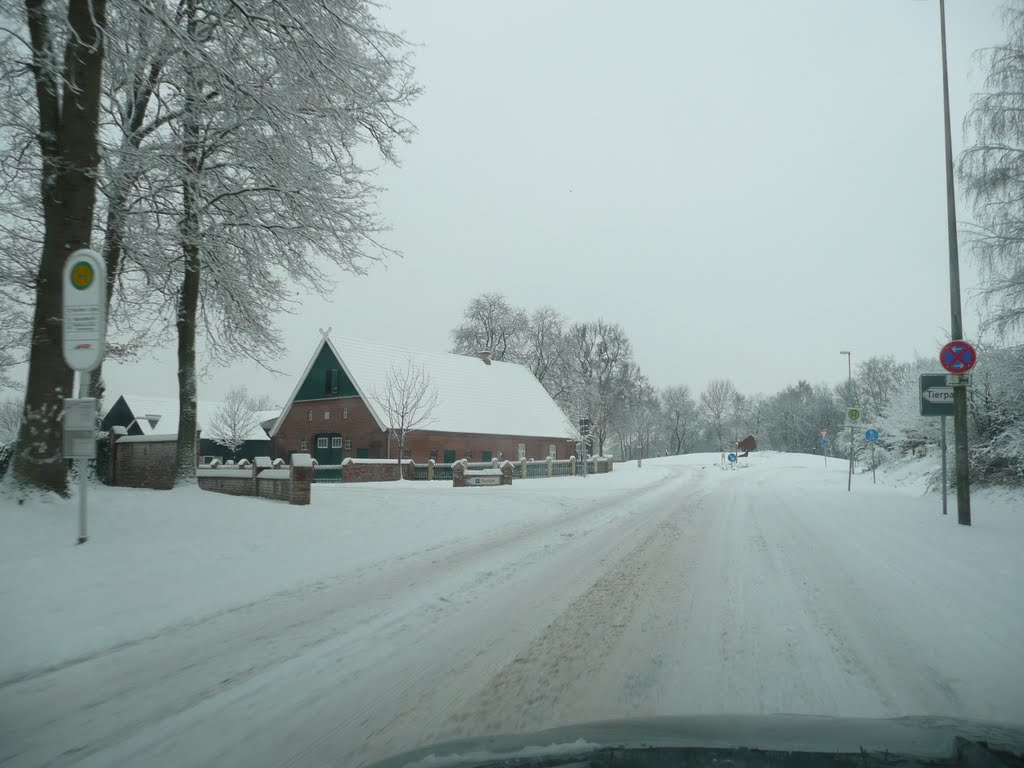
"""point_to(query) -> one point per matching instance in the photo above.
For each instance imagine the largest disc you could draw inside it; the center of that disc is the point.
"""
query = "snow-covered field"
(202, 629)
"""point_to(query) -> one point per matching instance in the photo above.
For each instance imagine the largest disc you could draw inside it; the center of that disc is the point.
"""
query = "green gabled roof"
(312, 387)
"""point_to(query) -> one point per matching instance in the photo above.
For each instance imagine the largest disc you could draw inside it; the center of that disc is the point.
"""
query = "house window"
(406, 453)
(321, 442)
(331, 381)
(335, 442)
(309, 415)
(327, 415)
(348, 443)
(303, 445)
(485, 456)
(552, 451)
(344, 413)
(433, 454)
(522, 451)
(468, 455)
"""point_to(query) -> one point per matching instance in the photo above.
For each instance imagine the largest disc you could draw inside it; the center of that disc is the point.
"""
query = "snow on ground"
(157, 558)
(202, 629)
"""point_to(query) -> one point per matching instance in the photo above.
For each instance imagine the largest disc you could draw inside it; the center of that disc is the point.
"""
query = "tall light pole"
(849, 396)
(956, 328)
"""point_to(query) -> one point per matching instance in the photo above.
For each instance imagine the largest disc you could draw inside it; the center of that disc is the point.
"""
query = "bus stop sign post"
(84, 341)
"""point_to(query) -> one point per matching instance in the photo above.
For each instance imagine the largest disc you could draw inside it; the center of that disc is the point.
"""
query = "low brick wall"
(290, 484)
(374, 470)
(144, 461)
(472, 478)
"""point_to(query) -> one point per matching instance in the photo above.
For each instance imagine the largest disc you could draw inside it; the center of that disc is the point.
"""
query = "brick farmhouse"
(486, 409)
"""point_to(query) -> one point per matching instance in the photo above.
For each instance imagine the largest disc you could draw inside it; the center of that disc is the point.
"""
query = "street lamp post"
(849, 396)
(956, 329)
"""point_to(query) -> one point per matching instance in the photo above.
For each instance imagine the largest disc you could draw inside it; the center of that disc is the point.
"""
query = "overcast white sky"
(747, 187)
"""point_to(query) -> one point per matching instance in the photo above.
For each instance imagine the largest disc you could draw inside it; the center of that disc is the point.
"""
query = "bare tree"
(543, 350)
(407, 401)
(680, 413)
(600, 362)
(254, 147)
(67, 97)
(234, 421)
(716, 403)
(491, 323)
(263, 403)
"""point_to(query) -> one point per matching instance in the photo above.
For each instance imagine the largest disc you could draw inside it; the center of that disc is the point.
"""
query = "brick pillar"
(301, 479)
(522, 468)
(507, 470)
(551, 466)
(494, 463)
(430, 470)
(458, 475)
(572, 466)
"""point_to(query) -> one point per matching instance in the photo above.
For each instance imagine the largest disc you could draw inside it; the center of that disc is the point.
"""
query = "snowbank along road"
(676, 588)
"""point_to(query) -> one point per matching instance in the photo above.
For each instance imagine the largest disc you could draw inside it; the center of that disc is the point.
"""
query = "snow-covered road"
(678, 589)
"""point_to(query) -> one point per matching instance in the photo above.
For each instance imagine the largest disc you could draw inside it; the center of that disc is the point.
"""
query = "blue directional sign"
(731, 457)
(823, 441)
(871, 435)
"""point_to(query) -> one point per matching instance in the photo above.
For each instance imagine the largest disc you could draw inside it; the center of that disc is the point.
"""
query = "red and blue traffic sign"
(958, 357)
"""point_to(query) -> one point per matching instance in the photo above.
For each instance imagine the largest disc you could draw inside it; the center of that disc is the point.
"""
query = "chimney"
(485, 355)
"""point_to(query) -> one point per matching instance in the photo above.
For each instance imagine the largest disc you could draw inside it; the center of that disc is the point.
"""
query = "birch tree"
(408, 401)
(991, 172)
(64, 59)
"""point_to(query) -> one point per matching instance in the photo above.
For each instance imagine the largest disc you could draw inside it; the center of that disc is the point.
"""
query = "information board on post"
(85, 310)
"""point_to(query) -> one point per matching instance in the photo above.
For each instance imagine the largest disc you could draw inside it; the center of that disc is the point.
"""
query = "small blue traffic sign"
(824, 441)
(871, 435)
(732, 457)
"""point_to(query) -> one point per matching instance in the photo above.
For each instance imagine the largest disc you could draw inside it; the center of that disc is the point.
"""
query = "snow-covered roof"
(473, 397)
(165, 411)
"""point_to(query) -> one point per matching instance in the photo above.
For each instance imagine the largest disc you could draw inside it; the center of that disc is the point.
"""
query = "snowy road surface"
(677, 588)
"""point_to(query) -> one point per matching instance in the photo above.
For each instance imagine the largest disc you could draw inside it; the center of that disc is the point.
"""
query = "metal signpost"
(824, 444)
(958, 358)
(853, 415)
(872, 437)
(84, 340)
(732, 460)
(937, 400)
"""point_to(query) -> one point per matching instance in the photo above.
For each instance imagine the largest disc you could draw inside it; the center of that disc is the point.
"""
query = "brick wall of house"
(361, 428)
(148, 464)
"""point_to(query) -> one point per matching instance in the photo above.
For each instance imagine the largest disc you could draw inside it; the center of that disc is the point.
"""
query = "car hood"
(923, 737)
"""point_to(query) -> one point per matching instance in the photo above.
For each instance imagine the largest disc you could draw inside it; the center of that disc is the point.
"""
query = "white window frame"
(309, 415)
(522, 451)
(348, 443)
(552, 451)
(303, 445)
(327, 415)
(321, 443)
(344, 413)
(335, 442)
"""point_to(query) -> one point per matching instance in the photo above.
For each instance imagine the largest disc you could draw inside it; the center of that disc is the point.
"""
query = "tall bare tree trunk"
(188, 298)
(68, 125)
